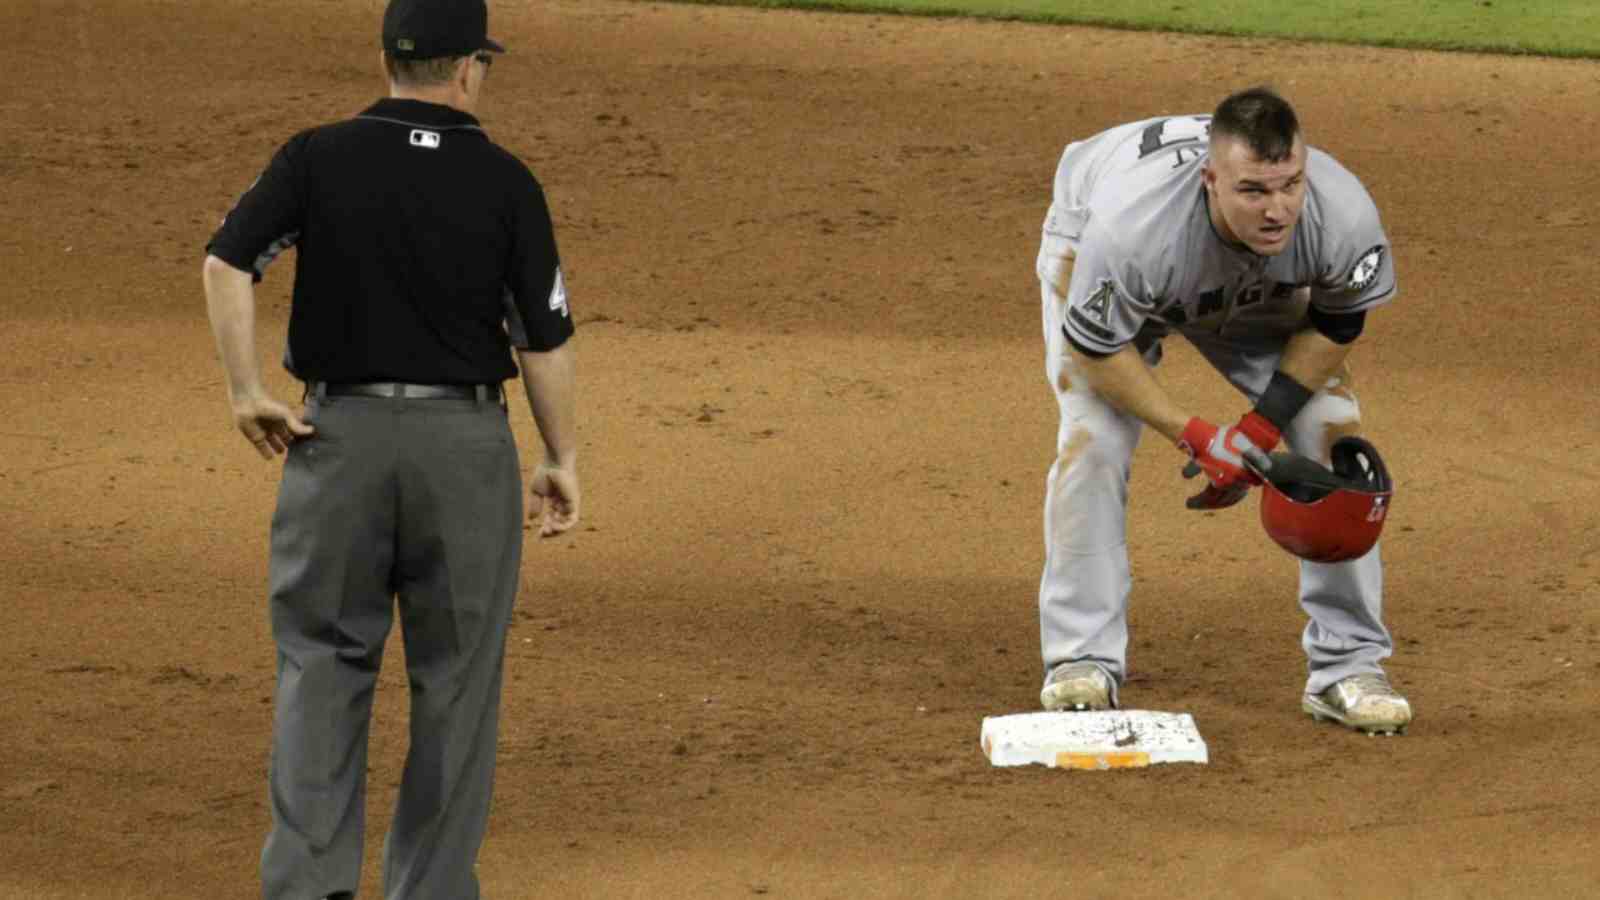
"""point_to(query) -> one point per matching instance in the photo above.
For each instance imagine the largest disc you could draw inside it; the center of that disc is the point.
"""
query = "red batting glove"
(1219, 452)
(1260, 430)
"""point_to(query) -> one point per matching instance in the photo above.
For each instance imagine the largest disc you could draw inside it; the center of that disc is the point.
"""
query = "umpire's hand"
(268, 425)
(555, 498)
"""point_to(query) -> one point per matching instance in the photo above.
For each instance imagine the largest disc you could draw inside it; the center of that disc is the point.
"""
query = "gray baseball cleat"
(1078, 686)
(1362, 702)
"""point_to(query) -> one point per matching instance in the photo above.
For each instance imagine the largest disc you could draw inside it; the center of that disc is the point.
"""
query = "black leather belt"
(400, 390)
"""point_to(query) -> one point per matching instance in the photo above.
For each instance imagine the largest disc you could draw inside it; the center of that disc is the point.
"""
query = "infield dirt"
(815, 430)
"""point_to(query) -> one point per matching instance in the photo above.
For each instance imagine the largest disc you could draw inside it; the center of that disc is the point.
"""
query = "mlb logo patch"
(428, 139)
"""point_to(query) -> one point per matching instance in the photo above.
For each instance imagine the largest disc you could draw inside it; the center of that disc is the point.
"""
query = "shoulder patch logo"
(1099, 303)
(558, 295)
(1366, 269)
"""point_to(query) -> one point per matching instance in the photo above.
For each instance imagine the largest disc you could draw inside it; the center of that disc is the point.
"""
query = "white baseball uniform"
(1129, 220)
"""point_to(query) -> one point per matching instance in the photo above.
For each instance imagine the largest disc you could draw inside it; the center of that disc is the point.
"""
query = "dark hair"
(1262, 119)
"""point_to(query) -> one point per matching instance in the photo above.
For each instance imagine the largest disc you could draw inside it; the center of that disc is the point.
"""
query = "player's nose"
(1277, 208)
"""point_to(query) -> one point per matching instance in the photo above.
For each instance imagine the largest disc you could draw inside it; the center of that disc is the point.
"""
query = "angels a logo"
(1099, 303)
(1093, 315)
(1366, 269)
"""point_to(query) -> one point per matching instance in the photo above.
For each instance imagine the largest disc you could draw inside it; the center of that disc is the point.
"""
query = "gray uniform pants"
(415, 499)
(1083, 592)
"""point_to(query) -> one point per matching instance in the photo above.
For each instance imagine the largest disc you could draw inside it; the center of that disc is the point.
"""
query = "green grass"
(1545, 27)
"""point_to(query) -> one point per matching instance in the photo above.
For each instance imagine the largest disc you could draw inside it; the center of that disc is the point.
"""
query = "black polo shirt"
(425, 251)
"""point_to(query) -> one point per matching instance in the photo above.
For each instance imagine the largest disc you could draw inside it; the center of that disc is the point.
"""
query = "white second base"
(1111, 739)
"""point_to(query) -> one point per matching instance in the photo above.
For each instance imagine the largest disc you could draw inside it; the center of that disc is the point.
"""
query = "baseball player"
(1266, 255)
(426, 256)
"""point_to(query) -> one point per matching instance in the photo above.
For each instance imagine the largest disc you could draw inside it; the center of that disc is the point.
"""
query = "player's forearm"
(230, 305)
(1123, 380)
(550, 380)
(1311, 358)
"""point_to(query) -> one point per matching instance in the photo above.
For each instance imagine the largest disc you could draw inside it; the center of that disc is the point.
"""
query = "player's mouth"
(1272, 234)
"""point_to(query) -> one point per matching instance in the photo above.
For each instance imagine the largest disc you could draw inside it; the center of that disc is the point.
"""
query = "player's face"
(1255, 202)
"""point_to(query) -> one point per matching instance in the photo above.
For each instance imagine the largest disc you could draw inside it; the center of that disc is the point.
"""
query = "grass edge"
(1111, 23)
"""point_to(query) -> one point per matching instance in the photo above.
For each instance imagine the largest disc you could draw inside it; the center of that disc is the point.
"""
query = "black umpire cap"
(427, 29)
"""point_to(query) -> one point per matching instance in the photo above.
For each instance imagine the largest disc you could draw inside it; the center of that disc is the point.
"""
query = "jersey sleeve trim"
(1363, 306)
(1085, 349)
(241, 260)
(1083, 332)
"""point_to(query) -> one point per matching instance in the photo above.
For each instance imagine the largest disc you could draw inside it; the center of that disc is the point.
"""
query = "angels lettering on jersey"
(1209, 306)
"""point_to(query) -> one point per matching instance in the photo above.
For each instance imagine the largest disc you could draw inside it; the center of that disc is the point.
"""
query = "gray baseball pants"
(418, 501)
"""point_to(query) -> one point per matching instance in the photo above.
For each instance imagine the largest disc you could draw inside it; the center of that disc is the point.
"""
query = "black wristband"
(1282, 400)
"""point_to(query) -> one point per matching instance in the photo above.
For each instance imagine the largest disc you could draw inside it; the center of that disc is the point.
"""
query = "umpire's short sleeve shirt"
(426, 251)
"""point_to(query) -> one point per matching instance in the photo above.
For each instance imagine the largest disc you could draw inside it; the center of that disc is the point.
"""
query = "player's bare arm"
(1311, 358)
(1126, 382)
(550, 382)
(268, 425)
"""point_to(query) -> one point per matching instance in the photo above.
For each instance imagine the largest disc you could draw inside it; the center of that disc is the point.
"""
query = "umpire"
(426, 255)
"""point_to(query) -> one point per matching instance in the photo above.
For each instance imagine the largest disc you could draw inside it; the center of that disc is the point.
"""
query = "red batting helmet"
(1322, 515)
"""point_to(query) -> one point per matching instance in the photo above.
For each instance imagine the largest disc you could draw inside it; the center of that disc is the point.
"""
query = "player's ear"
(1217, 146)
